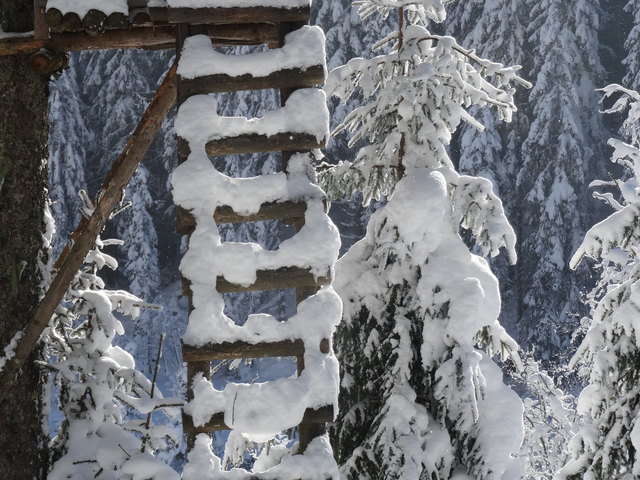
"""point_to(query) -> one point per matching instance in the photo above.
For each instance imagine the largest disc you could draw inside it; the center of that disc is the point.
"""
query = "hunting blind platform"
(293, 64)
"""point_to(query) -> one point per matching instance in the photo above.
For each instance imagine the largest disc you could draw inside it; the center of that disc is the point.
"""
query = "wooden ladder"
(202, 71)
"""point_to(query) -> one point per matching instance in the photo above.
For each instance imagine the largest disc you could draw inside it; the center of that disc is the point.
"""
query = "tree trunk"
(23, 180)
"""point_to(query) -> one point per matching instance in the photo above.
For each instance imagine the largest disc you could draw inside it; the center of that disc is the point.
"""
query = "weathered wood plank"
(82, 239)
(137, 4)
(231, 34)
(151, 37)
(280, 279)
(238, 15)
(159, 15)
(234, 350)
(285, 141)
(311, 416)
(292, 77)
(287, 277)
(186, 223)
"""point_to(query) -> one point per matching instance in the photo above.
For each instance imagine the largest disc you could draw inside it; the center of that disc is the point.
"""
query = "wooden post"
(40, 27)
(82, 239)
(308, 431)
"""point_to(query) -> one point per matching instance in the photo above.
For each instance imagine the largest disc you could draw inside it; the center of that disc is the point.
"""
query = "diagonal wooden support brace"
(72, 257)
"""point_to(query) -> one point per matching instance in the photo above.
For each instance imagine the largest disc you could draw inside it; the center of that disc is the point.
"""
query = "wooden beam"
(233, 350)
(151, 38)
(223, 15)
(45, 61)
(83, 238)
(186, 223)
(311, 416)
(232, 34)
(251, 143)
(291, 77)
(287, 277)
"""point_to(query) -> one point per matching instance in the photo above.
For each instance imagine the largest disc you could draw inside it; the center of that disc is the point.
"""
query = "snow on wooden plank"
(311, 416)
(82, 7)
(261, 410)
(303, 48)
(314, 322)
(302, 124)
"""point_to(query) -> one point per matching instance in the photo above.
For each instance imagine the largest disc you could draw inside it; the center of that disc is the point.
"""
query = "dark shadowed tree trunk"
(23, 179)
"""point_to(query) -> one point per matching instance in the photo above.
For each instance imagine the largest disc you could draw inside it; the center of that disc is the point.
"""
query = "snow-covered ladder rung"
(239, 349)
(287, 78)
(288, 211)
(253, 143)
(285, 277)
(311, 416)
(298, 63)
(236, 350)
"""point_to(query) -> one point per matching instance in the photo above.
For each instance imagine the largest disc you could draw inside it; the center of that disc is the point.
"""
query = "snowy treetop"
(419, 10)
(423, 90)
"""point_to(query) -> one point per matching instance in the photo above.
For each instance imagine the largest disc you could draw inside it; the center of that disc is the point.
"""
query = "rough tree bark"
(23, 181)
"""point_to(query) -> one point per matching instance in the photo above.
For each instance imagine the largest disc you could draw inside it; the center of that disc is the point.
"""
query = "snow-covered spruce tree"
(561, 151)
(495, 28)
(608, 446)
(68, 140)
(419, 399)
(632, 46)
(96, 380)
